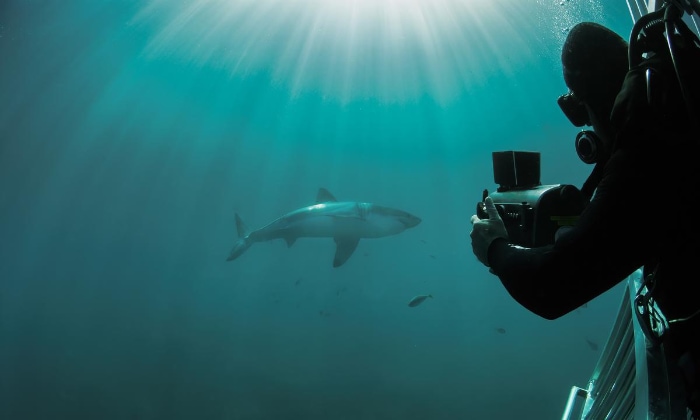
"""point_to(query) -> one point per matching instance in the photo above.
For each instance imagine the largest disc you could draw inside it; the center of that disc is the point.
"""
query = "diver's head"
(595, 62)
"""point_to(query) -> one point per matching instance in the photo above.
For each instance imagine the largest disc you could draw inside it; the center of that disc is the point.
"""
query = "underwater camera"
(531, 212)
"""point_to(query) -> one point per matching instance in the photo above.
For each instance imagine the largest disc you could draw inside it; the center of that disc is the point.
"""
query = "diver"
(642, 191)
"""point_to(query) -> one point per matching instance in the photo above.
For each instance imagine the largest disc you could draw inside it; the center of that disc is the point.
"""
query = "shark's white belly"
(371, 226)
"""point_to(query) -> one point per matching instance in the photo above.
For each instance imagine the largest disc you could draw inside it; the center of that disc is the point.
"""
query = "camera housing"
(531, 212)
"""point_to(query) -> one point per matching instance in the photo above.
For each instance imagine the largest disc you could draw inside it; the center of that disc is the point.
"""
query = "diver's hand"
(485, 231)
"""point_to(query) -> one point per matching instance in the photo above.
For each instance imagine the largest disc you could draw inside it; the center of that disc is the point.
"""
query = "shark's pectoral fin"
(345, 246)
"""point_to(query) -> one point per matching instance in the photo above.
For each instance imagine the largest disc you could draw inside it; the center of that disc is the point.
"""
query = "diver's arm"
(608, 243)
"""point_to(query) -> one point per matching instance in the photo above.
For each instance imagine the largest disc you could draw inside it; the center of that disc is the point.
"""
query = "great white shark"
(345, 221)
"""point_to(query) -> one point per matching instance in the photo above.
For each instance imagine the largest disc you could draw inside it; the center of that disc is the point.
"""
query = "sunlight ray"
(391, 50)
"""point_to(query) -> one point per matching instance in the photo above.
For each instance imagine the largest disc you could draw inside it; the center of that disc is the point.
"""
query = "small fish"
(296, 283)
(418, 300)
(501, 330)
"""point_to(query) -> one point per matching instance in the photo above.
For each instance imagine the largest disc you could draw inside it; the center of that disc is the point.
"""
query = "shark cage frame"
(631, 380)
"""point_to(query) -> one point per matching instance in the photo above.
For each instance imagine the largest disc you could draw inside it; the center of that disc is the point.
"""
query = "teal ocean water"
(131, 132)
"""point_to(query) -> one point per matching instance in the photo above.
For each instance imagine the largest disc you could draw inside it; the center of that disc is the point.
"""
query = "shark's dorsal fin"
(324, 196)
(345, 246)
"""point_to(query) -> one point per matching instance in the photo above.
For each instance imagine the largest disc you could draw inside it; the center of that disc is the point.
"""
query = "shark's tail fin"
(243, 243)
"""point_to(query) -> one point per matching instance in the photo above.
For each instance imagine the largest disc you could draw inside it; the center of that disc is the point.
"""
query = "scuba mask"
(589, 146)
(574, 109)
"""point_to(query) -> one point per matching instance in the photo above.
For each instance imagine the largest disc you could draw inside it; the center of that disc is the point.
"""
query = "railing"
(631, 379)
(639, 8)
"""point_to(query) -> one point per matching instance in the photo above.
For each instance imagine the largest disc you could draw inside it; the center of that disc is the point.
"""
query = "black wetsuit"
(643, 213)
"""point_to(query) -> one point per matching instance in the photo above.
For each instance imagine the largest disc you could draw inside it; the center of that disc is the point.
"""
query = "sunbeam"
(392, 50)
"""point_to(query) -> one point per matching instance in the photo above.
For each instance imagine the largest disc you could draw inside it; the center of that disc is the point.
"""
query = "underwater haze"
(132, 132)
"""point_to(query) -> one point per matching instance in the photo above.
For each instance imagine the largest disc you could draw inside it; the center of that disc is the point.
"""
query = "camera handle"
(481, 212)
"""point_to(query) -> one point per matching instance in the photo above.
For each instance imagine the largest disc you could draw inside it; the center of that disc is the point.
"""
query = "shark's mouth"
(409, 223)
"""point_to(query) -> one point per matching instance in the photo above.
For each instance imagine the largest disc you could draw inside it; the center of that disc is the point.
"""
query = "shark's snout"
(410, 221)
(406, 219)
